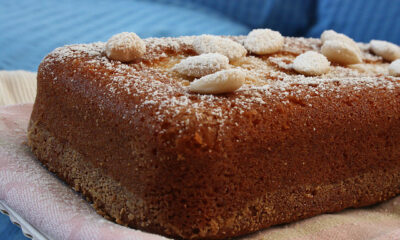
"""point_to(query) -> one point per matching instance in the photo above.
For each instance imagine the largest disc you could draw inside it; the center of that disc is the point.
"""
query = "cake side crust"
(115, 202)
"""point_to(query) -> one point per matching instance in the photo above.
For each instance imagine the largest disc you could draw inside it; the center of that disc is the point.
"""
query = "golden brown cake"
(153, 155)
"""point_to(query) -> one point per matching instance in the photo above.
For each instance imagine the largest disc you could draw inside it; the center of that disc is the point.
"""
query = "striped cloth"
(30, 29)
(17, 87)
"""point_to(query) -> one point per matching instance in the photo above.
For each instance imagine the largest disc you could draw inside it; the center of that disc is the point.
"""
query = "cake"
(209, 137)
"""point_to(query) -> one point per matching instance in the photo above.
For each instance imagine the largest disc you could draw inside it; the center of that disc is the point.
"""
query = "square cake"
(208, 137)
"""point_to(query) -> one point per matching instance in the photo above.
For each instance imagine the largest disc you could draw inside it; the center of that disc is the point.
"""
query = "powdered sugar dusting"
(154, 87)
(300, 45)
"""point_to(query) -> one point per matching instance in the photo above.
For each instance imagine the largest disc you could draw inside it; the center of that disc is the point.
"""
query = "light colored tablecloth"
(58, 212)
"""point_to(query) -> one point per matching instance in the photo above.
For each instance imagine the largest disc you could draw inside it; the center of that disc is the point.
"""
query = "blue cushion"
(9, 231)
(290, 17)
(362, 20)
(30, 29)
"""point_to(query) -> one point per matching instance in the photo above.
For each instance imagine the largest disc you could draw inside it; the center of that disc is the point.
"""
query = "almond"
(264, 41)
(394, 68)
(387, 50)
(224, 81)
(204, 64)
(341, 52)
(332, 35)
(311, 64)
(215, 44)
(125, 47)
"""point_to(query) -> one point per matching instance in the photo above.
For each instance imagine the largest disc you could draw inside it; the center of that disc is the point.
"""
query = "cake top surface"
(153, 81)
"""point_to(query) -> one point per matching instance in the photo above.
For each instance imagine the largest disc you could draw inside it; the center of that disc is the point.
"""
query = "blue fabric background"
(363, 20)
(29, 29)
(9, 231)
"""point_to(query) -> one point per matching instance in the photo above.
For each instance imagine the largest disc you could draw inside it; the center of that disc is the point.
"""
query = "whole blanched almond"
(340, 52)
(332, 35)
(125, 47)
(311, 64)
(264, 41)
(394, 68)
(224, 81)
(389, 51)
(215, 44)
(204, 64)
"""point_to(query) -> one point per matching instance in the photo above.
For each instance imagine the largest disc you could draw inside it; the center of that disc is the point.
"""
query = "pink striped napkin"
(59, 213)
